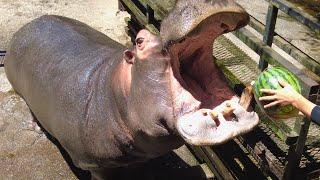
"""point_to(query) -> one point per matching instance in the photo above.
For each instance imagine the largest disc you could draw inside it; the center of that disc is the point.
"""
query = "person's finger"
(267, 98)
(283, 83)
(271, 104)
(268, 91)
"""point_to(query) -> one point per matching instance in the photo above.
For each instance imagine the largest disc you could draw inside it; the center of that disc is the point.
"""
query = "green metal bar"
(136, 12)
(298, 14)
(295, 151)
(269, 32)
(310, 63)
(161, 13)
(150, 15)
(272, 57)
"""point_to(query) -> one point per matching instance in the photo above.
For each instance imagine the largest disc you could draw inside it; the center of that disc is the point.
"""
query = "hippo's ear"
(129, 56)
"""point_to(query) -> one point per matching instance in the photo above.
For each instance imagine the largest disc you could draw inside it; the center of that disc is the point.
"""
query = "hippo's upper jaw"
(200, 82)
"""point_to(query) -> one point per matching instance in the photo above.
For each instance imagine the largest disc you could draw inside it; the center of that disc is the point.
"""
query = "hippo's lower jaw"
(200, 128)
(193, 68)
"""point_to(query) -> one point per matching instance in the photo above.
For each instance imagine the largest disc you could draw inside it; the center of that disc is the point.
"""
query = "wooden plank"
(140, 17)
(213, 161)
(268, 162)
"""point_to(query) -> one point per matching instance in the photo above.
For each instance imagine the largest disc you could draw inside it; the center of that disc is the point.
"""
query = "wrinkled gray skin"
(111, 107)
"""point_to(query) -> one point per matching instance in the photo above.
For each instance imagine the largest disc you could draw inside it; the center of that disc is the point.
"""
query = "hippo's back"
(55, 44)
(54, 62)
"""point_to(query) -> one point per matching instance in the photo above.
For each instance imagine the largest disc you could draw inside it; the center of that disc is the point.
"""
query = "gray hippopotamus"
(110, 106)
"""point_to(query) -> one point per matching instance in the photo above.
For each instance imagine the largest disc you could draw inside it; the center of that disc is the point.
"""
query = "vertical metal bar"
(150, 14)
(271, 20)
(295, 152)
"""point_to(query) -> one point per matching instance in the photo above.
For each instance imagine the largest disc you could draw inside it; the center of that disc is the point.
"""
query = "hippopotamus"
(111, 106)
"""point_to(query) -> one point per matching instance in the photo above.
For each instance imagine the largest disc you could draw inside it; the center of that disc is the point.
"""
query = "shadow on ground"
(168, 167)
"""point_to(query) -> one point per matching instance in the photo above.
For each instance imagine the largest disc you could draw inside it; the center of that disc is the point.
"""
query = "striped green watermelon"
(268, 79)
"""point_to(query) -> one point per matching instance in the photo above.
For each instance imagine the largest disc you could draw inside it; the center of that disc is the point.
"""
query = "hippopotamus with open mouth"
(110, 106)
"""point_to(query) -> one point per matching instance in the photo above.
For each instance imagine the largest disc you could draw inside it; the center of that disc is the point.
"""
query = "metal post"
(150, 14)
(269, 31)
(295, 151)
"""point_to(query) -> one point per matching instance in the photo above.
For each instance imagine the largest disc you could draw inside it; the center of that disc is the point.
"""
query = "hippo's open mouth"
(192, 62)
(194, 69)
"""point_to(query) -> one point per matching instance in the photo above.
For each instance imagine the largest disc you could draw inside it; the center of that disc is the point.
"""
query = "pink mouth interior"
(194, 68)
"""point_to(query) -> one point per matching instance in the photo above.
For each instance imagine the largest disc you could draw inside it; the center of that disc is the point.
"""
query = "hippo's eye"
(139, 41)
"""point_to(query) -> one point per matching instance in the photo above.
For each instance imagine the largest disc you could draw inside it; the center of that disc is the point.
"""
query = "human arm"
(315, 115)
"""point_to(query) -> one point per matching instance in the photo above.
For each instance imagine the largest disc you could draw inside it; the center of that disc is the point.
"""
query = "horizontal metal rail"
(308, 84)
(288, 47)
(298, 14)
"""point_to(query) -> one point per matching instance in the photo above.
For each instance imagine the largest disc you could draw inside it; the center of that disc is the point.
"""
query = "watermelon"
(268, 79)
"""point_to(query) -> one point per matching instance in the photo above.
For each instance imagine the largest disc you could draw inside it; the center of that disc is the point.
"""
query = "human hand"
(286, 95)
